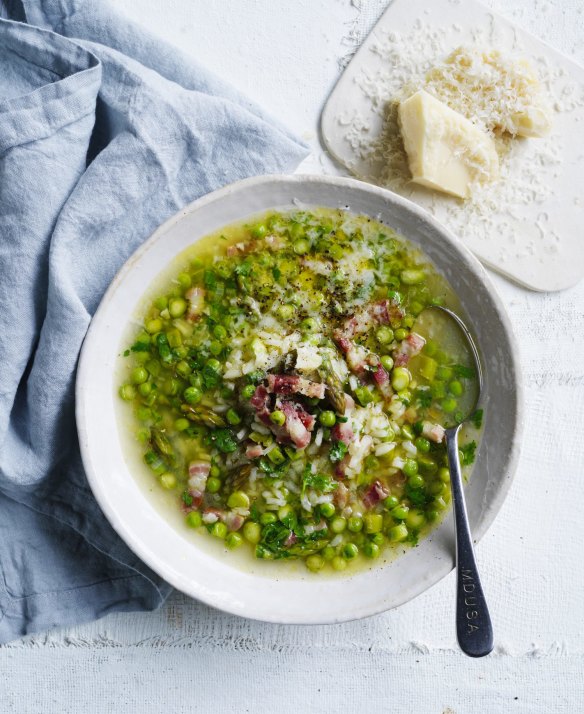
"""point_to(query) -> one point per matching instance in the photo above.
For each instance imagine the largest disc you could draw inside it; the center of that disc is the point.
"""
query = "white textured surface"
(189, 658)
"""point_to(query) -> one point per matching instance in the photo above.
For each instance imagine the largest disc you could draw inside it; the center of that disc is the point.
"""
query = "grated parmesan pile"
(424, 59)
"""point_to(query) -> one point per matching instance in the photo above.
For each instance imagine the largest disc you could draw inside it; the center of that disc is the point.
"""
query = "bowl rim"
(471, 264)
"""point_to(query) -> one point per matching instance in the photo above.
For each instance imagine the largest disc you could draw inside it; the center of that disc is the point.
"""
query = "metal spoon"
(473, 622)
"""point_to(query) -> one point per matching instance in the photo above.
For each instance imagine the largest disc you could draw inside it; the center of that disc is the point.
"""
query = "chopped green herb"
(468, 453)
(477, 418)
(338, 451)
(461, 371)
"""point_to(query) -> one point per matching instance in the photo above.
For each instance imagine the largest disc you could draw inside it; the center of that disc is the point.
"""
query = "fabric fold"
(104, 134)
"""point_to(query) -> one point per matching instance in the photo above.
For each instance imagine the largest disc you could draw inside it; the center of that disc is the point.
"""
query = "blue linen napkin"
(105, 132)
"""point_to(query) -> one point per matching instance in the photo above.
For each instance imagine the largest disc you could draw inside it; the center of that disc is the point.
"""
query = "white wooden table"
(189, 658)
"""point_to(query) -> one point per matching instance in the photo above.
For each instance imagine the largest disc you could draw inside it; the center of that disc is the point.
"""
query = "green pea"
(161, 303)
(390, 502)
(448, 405)
(384, 335)
(327, 510)
(154, 326)
(184, 280)
(416, 307)
(399, 512)
(355, 524)
(400, 334)
(278, 417)
(377, 538)
(309, 325)
(387, 363)
(248, 391)
(267, 518)
(252, 532)
(213, 364)
(167, 481)
(350, 551)
(177, 307)
(412, 277)
(233, 417)
(437, 488)
(444, 475)
(286, 312)
(373, 522)
(233, 540)
(455, 388)
(338, 563)
(364, 396)
(422, 444)
(214, 471)
(181, 424)
(444, 373)
(219, 530)
(301, 246)
(410, 467)
(213, 485)
(416, 481)
(328, 553)
(215, 347)
(238, 499)
(139, 375)
(219, 332)
(127, 392)
(193, 519)
(400, 378)
(258, 231)
(192, 395)
(327, 418)
(314, 563)
(145, 388)
(371, 550)
(398, 533)
(338, 524)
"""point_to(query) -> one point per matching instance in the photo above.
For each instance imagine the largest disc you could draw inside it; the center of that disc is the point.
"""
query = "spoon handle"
(473, 622)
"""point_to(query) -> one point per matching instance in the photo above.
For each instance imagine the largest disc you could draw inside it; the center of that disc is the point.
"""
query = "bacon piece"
(233, 520)
(387, 312)
(196, 300)
(292, 384)
(260, 398)
(375, 493)
(198, 474)
(381, 378)
(296, 423)
(409, 347)
(342, 432)
(290, 540)
(383, 312)
(434, 432)
(356, 355)
(211, 515)
(253, 451)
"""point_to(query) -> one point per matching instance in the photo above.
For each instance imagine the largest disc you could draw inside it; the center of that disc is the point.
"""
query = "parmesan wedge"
(446, 151)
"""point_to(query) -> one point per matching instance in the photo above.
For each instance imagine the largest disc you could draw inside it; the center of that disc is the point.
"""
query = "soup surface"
(289, 390)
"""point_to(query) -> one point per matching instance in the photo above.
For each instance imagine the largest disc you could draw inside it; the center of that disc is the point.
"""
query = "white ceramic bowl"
(174, 554)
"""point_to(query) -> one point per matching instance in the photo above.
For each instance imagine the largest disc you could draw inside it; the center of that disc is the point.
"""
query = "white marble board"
(527, 226)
